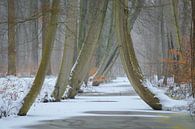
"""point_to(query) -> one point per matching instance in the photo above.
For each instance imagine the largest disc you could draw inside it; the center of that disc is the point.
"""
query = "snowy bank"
(13, 90)
(167, 102)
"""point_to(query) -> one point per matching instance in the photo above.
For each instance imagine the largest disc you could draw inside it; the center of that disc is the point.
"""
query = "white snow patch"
(119, 85)
(167, 102)
(76, 107)
(14, 89)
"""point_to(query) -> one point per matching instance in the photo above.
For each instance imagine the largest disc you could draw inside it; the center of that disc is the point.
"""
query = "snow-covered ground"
(167, 102)
(72, 107)
(120, 85)
(76, 107)
(13, 89)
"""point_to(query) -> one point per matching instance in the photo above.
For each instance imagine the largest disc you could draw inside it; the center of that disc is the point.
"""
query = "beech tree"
(128, 56)
(193, 49)
(45, 8)
(69, 47)
(81, 66)
(175, 15)
(152, 38)
(34, 60)
(11, 38)
(111, 56)
(40, 76)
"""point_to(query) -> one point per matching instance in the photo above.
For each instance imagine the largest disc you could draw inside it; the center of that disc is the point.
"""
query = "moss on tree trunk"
(11, 38)
(68, 53)
(40, 76)
(128, 56)
(82, 65)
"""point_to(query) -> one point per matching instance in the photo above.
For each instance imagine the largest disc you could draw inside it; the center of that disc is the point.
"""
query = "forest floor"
(109, 106)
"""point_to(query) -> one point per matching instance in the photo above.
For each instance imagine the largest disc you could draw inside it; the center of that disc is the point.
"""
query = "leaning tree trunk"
(109, 50)
(11, 39)
(82, 23)
(68, 54)
(40, 76)
(106, 64)
(81, 66)
(128, 56)
(108, 60)
(111, 62)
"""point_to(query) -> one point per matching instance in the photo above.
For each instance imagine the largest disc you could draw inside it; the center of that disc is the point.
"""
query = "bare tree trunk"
(133, 16)
(128, 56)
(82, 23)
(68, 54)
(49, 42)
(193, 49)
(185, 19)
(162, 31)
(83, 27)
(45, 6)
(175, 14)
(34, 38)
(111, 62)
(11, 38)
(106, 64)
(81, 67)
(109, 59)
(106, 37)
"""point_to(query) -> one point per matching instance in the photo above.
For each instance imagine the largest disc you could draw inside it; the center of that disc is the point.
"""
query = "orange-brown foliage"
(92, 71)
(180, 69)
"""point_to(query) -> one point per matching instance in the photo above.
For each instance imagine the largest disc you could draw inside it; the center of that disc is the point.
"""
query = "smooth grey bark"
(111, 62)
(176, 23)
(193, 49)
(82, 23)
(45, 8)
(137, 7)
(107, 62)
(128, 56)
(185, 24)
(40, 76)
(11, 38)
(106, 39)
(109, 59)
(68, 53)
(34, 37)
(163, 43)
(81, 67)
